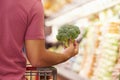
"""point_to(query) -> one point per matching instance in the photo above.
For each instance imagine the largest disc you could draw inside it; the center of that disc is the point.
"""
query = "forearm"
(50, 58)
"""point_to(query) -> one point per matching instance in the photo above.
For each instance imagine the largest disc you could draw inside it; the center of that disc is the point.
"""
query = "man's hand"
(72, 50)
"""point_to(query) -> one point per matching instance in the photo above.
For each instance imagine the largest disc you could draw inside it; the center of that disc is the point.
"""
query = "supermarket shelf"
(82, 11)
(68, 8)
(67, 73)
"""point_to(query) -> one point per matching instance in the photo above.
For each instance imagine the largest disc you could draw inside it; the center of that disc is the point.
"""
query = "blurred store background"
(99, 49)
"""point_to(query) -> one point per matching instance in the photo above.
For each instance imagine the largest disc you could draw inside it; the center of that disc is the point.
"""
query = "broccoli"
(67, 32)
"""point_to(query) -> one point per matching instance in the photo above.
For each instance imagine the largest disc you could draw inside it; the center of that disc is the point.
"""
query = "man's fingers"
(76, 46)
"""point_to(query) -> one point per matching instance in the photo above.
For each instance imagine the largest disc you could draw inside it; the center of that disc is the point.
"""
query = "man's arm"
(40, 57)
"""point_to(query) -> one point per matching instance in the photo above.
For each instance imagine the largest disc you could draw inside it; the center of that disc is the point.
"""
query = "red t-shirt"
(20, 20)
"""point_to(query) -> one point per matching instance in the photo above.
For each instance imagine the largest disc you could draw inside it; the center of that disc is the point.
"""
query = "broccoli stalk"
(66, 43)
(67, 32)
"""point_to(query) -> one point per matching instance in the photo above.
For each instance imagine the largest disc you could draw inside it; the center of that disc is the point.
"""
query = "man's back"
(15, 18)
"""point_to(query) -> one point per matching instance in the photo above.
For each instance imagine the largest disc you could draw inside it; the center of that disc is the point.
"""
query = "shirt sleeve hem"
(34, 38)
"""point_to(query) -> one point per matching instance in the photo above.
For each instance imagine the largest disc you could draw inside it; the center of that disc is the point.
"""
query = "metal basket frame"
(41, 73)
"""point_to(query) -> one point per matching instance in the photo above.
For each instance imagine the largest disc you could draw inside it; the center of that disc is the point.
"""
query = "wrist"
(67, 55)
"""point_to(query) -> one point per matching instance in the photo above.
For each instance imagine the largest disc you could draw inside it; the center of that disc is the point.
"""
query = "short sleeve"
(35, 27)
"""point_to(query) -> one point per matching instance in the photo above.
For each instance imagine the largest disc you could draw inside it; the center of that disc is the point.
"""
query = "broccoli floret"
(67, 32)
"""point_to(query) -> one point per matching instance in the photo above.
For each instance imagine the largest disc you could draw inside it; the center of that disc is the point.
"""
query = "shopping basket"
(44, 73)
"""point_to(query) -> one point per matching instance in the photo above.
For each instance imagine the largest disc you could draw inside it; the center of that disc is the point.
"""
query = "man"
(22, 23)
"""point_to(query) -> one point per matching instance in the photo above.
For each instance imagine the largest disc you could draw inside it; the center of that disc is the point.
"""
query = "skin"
(39, 56)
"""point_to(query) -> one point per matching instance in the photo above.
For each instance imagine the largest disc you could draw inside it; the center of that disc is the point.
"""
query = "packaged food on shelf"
(116, 70)
(109, 56)
(53, 6)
